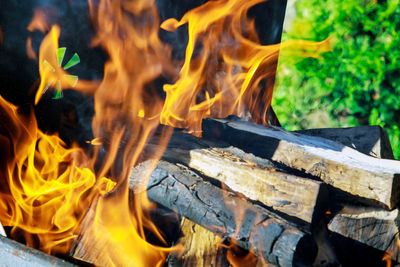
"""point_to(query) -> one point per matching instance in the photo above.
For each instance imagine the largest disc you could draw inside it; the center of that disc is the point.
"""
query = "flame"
(39, 21)
(49, 187)
(95, 142)
(235, 258)
(29, 50)
(387, 258)
(227, 76)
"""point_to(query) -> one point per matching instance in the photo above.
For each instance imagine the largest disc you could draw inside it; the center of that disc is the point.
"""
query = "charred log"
(245, 224)
(13, 253)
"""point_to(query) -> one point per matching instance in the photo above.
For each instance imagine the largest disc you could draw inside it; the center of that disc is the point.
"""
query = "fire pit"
(141, 133)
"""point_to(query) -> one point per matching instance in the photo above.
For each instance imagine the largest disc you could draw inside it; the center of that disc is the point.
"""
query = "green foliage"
(358, 83)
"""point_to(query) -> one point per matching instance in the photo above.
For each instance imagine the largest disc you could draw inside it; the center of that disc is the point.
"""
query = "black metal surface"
(19, 74)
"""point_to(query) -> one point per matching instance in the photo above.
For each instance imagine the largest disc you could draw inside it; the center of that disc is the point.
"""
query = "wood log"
(13, 253)
(371, 180)
(97, 251)
(84, 248)
(202, 247)
(233, 218)
(374, 227)
(249, 226)
(205, 248)
(370, 140)
(251, 176)
(2, 232)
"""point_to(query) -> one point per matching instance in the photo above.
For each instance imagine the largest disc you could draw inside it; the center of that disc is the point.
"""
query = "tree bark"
(255, 178)
(249, 226)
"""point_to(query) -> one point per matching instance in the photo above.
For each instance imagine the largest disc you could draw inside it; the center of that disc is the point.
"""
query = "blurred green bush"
(358, 83)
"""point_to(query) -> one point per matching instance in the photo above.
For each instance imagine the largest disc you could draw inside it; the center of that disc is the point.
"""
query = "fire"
(49, 187)
(227, 76)
(39, 21)
(386, 257)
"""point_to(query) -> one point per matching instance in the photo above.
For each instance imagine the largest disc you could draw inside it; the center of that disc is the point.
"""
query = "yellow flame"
(388, 259)
(226, 77)
(48, 187)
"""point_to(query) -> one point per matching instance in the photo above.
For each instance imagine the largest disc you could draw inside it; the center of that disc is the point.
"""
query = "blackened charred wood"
(370, 140)
(370, 180)
(327, 255)
(373, 227)
(249, 226)
(303, 200)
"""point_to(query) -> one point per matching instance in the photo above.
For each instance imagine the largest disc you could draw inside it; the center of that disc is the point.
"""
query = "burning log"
(250, 199)
(251, 176)
(373, 181)
(202, 247)
(374, 227)
(233, 218)
(249, 226)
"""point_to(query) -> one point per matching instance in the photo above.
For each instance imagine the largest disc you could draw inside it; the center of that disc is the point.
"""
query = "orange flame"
(39, 21)
(236, 260)
(51, 72)
(226, 78)
(48, 187)
(29, 50)
(388, 259)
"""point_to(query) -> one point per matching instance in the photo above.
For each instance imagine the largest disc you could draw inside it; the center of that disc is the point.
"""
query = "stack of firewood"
(322, 197)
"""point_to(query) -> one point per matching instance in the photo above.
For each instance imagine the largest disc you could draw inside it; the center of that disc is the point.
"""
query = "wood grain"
(226, 214)
(370, 140)
(342, 167)
(370, 226)
(282, 192)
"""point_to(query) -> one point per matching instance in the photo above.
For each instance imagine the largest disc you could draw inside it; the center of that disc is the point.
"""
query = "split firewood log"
(2, 232)
(234, 218)
(202, 247)
(371, 226)
(230, 216)
(370, 140)
(13, 253)
(205, 248)
(256, 178)
(371, 180)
